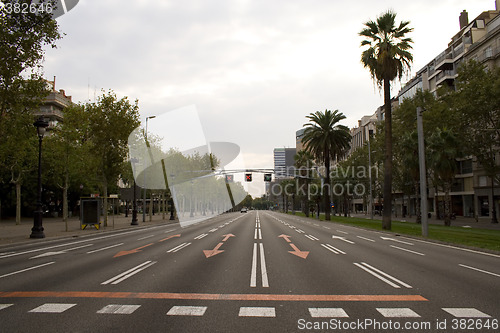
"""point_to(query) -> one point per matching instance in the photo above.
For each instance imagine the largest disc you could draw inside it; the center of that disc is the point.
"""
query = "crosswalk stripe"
(398, 313)
(466, 313)
(257, 312)
(119, 309)
(5, 306)
(328, 313)
(52, 308)
(187, 311)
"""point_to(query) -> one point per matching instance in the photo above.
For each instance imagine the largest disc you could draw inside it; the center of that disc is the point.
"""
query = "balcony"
(445, 62)
(447, 76)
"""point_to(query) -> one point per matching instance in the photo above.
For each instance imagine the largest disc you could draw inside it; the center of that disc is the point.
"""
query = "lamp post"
(37, 230)
(423, 173)
(370, 172)
(134, 207)
(145, 189)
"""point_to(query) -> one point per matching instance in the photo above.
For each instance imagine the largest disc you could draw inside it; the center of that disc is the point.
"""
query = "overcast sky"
(253, 68)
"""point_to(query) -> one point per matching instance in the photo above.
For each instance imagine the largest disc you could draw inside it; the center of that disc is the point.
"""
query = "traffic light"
(229, 178)
(268, 177)
(248, 177)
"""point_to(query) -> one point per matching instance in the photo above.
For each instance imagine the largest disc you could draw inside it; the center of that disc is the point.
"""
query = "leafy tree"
(387, 57)
(326, 140)
(110, 122)
(478, 105)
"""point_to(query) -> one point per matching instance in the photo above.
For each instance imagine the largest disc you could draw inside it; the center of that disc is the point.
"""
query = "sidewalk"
(483, 222)
(10, 233)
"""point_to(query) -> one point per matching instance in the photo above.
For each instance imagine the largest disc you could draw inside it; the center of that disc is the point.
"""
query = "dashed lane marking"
(382, 275)
(332, 249)
(367, 239)
(257, 312)
(105, 248)
(327, 313)
(466, 313)
(410, 251)
(27, 269)
(398, 313)
(201, 236)
(178, 247)
(125, 275)
(52, 308)
(119, 309)
(479, 270)
(187, 311)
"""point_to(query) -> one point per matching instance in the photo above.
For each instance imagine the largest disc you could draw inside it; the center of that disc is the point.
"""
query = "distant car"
(244, 210)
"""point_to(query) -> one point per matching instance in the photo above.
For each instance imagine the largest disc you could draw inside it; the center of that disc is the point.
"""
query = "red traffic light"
(248, 177)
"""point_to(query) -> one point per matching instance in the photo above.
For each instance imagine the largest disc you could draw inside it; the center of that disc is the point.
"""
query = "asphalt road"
(253, 272)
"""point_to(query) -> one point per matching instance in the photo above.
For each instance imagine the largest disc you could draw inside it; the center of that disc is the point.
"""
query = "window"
(483, 181)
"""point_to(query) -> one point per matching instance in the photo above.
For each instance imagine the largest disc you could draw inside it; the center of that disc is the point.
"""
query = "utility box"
(90, 213)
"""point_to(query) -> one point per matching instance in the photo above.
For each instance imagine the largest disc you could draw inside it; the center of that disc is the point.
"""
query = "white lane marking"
(119, 309)
(300, 231)
(169, 231)
(396, 240)
(146, 237)
(257, 312)
(212, 230)
(178, 247)
(311, 237)
(328, 313)
(291, 227)
(316, 224)
(5, 306)
(373, 271)
(201, 236)
(403, 249)
(343, 232)
(52, 308)
(27, 269)
(398, 313)
(253, 273)
(466, 313)
(187, 311)
(73, 243)
(368, 239)
(479, 270)
(342, 239)
(263, 269)
(327, 227)
(125, 275)
(47, 254)
(260, 234)
(255, 234)
(332, 249)
(104, 248)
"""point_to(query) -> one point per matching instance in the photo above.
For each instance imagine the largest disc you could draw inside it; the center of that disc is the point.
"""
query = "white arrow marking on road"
(342, 238)
(47, 254)
(395, 240)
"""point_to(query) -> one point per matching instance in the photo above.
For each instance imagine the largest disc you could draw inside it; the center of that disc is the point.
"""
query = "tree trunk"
(18, 202)
(386, 220)
(65, 201)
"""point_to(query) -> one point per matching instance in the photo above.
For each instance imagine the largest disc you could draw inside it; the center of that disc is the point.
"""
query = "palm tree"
(387, 58)
(444, 148)
(303, 162)
(326, 140)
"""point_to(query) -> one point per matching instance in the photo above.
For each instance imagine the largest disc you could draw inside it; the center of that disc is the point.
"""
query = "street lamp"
(145, 189)
(37, 230)
(370, 172)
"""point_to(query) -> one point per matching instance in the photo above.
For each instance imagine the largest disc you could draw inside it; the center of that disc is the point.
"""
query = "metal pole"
(37, 230)
(423, 173)
(370, 173)
(134, 208)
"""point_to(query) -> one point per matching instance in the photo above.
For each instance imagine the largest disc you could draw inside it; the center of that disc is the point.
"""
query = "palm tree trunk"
(386, 220)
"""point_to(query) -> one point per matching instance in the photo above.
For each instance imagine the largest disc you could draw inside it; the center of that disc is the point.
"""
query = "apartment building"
(53, 105)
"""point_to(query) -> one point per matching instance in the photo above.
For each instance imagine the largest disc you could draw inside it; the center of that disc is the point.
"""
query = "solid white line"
(104, 248)
(27, 269)
(368, 239)
(263, 269)
(377, 276)
(126, 272)
(387, 275)
(178, 248)
(253, 274)
(146, 237)
(134, 272)
(332, 248)
(400, 248)
(479, 270)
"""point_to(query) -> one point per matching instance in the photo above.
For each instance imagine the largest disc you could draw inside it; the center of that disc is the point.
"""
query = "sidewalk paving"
(12, 233)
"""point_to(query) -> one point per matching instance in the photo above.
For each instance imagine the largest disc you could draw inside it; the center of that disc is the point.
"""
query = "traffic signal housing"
(248, 177)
